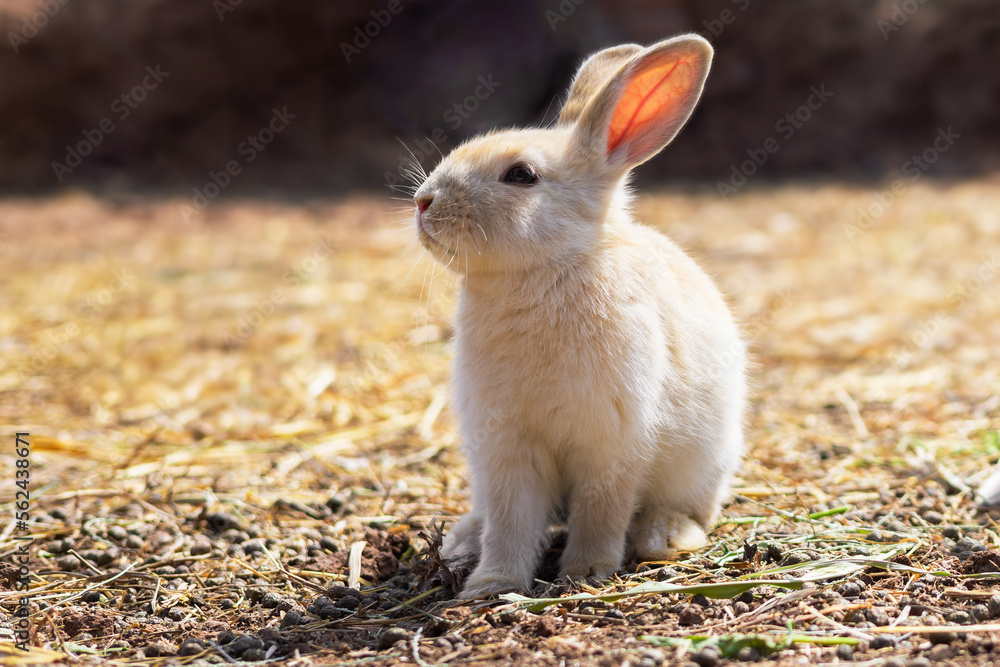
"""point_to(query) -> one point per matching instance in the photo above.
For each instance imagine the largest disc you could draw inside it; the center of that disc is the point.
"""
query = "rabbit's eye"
(521, 175)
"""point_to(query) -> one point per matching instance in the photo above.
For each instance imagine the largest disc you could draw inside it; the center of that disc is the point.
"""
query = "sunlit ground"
(271, 352)
(127, 333)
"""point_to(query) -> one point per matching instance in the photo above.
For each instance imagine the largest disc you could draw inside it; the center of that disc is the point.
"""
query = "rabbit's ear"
(644, 105)
(591, 77)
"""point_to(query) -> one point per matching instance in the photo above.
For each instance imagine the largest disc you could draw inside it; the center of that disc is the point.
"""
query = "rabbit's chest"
(548, 348)
(564, 374)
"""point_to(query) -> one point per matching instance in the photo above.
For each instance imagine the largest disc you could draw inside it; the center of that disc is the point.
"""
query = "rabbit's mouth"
(428, 240)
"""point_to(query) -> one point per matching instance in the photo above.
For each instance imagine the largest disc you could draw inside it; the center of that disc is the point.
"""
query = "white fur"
(597, 369)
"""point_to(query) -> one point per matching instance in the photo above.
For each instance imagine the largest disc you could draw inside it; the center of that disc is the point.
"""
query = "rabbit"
(597, 369)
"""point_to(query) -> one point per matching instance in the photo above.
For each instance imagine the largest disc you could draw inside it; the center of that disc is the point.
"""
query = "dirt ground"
(241, 447)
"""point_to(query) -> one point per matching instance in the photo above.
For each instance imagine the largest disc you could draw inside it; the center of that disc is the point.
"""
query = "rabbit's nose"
(424, 201)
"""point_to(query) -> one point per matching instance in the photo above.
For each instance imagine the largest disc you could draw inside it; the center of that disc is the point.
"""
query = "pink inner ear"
(654, 93)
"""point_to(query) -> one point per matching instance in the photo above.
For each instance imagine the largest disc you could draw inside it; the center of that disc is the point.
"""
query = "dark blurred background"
(899, 70)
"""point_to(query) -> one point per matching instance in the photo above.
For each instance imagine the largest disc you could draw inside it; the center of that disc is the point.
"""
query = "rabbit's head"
(511, 200)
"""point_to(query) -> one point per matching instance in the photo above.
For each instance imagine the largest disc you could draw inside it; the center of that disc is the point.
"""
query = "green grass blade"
(842, 567)
(726, 589)
(730, 645)
(824, 641)
(831, 512)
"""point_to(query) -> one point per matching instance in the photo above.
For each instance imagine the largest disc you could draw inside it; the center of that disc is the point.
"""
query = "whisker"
(485, 240)
(430, 290)
(438, 148)
(475, 243)
(420, 300)
(419, 169)
(410, 272)
(417, 178)
(406, 188)
(451, 260)
(467, 261)
(405, 230)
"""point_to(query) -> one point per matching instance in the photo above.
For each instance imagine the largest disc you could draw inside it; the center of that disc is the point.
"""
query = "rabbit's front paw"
(577, 571)
(463, 540)
(482, 584)
(659, 535)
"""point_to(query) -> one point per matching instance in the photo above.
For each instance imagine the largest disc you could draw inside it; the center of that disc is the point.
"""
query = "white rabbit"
(597, 369)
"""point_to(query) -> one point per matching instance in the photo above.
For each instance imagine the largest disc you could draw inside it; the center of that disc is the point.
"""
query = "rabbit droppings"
(597, 370)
